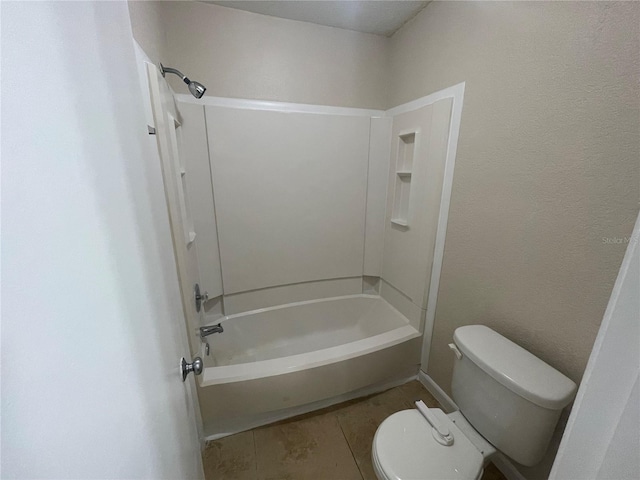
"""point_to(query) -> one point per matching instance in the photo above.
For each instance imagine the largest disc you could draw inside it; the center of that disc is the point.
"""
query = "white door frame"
(144, 64)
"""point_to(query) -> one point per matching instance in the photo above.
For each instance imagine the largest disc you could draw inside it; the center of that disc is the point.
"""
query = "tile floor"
(329, 444)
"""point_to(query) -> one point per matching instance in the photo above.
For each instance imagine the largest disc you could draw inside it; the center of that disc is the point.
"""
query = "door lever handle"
(186, 368)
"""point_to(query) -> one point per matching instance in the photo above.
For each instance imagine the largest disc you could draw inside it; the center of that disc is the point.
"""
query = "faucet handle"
(199, 298)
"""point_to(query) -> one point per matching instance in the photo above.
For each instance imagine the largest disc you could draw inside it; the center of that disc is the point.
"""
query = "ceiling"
(379, 17)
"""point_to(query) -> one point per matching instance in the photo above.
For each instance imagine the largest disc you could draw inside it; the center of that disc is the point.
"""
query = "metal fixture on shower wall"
(200, 299)
(210, 330)
(196, 88)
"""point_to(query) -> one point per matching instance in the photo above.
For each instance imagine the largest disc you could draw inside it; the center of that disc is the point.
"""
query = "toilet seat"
(404, 449)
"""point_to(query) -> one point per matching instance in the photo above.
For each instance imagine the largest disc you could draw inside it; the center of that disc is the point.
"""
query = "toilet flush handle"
(458, 353)
(439, 429)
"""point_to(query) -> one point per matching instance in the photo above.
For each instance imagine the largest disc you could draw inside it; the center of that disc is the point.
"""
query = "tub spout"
(206, 331)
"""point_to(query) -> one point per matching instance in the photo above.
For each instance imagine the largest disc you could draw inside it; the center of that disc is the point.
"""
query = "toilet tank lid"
(514, 367)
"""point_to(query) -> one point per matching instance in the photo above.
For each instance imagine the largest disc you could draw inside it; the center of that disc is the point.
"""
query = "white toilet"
(509, 400)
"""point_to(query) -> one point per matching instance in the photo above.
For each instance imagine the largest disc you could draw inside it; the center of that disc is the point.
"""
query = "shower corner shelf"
(404, 166)
(402, 222)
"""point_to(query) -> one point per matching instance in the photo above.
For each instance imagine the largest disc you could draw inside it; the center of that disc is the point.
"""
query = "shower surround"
(315, 256)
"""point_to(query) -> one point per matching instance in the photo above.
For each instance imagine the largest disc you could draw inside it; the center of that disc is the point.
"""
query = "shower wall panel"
(290, 194)
(379, 154)
(198, 179)
(418, 153)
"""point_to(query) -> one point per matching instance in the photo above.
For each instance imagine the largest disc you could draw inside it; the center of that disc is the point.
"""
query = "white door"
(92, 319)
(169, 138)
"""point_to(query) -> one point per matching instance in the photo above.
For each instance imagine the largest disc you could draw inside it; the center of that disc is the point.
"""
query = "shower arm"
(164, 70)
(196, 88)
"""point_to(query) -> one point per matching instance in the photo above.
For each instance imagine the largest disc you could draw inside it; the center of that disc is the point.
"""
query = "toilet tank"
(510, 396)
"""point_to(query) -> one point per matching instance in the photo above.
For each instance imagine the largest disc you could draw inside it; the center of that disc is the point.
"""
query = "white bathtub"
(272, 362)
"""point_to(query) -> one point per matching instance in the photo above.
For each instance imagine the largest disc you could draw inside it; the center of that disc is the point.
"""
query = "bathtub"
(277, 362)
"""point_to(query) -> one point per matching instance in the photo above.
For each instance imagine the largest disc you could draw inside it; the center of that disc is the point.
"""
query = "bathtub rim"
(213, 375)
(303, 361)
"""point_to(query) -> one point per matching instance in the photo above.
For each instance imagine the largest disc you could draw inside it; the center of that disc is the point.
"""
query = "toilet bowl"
(509, 400)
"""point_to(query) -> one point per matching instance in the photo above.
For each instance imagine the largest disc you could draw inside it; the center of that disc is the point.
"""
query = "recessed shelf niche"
(404, 166)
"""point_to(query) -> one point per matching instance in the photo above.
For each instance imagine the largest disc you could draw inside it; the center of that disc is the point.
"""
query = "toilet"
(509, 400)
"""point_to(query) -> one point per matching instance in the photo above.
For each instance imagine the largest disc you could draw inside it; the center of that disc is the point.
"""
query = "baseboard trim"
(503, 464)
(439, 394)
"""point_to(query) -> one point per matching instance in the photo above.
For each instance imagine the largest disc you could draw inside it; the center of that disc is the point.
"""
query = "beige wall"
(148, 29)
(245, 55)
(547, 166)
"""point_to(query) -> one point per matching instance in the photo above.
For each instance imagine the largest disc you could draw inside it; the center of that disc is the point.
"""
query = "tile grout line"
(255, 452)
(350, 449)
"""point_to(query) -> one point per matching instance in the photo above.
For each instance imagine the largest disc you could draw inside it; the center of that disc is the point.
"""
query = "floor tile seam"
(255, 452)
(350, 449)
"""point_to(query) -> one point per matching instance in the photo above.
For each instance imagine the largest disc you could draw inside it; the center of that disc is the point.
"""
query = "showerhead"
(196, 88)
